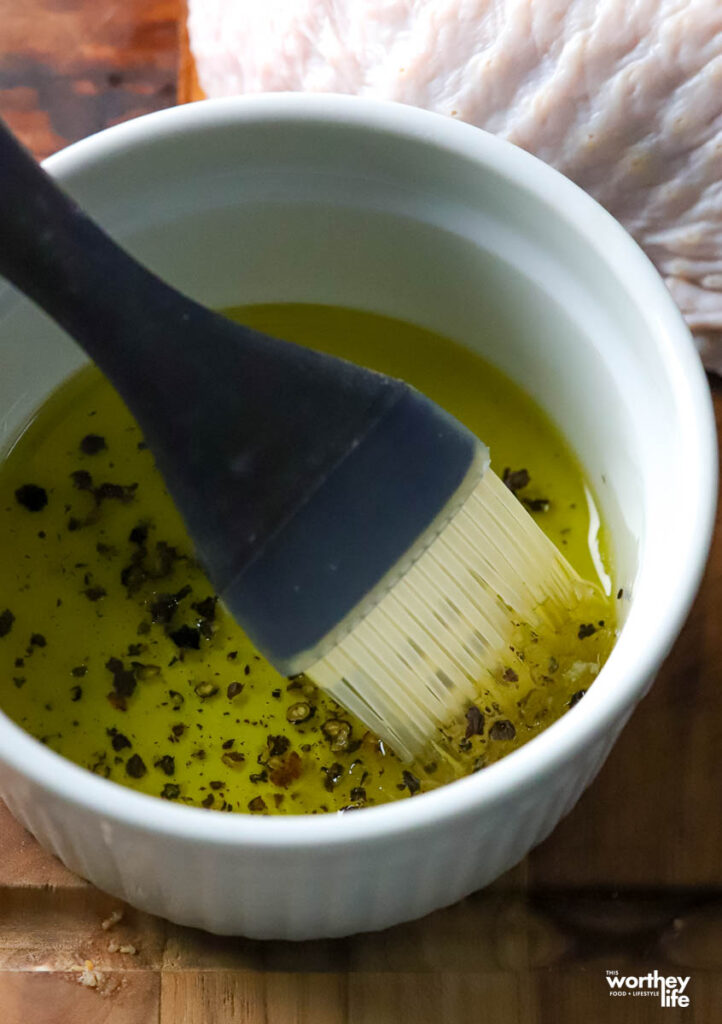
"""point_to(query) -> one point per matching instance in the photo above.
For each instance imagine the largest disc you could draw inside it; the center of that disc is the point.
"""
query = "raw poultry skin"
(622, 96)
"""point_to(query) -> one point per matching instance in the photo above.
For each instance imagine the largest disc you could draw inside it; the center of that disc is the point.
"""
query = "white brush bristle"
(414, 662)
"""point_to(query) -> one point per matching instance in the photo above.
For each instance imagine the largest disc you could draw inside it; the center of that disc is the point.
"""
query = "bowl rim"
(625, 682)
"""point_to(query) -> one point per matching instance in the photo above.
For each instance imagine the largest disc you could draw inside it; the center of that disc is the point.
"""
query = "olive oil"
(115, 652)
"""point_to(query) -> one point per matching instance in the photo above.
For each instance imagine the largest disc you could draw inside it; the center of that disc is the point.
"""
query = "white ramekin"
(385, 207)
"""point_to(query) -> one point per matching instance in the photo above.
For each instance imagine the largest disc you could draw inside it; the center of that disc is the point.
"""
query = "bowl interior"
(449, 229)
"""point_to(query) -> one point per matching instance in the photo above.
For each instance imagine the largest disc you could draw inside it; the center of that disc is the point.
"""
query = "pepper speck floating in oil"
(115, 652)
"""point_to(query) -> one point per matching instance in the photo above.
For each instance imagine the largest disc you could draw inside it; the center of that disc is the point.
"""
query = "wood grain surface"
(71, 67)
(630, 881)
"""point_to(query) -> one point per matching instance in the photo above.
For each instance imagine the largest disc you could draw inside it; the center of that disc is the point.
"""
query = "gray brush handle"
(302, 478)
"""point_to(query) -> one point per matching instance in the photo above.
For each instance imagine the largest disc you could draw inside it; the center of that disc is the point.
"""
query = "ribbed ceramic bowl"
(380, 206)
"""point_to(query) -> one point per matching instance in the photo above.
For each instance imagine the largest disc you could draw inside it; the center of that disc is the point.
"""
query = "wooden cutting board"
(630, 881)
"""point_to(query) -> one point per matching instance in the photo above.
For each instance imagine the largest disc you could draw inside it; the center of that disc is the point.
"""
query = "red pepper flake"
(257, 804)
(510, 676)
(233, 690)
(287, 771)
